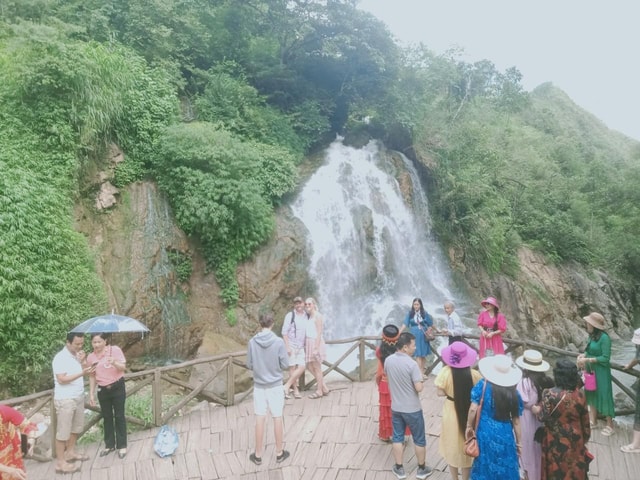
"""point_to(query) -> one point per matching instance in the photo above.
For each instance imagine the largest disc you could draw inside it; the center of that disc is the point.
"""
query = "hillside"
(220, 103)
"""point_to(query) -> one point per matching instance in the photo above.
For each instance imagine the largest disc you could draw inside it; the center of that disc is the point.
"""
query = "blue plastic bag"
(166, 441)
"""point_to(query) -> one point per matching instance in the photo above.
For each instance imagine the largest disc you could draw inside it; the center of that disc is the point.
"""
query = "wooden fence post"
(54, 426)
(361, 355)
(231, 385)
(156, 397)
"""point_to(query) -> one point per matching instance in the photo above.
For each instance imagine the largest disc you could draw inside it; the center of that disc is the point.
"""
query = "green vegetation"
(219, 101)
(181, 261)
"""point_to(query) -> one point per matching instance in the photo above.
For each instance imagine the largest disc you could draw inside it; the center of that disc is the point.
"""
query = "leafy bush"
(233, 103)
(60, 102)
(181, 261)
(222, 190)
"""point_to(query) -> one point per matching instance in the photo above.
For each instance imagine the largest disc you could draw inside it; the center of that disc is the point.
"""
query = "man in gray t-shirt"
(405, 385)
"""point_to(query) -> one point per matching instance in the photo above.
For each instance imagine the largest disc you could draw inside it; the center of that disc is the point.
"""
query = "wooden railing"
(233, 365)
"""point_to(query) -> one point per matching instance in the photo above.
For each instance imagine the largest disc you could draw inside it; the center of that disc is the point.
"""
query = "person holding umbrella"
(108, 377)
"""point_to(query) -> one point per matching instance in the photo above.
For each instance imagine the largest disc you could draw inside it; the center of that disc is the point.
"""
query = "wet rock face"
(132, 244)
(546, 303)
(276, 274)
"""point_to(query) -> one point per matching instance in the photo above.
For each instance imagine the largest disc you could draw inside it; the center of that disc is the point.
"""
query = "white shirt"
(454, 325)
(66, 363)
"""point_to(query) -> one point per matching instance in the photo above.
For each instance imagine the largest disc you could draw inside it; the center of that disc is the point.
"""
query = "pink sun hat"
(490, 301)
(459, 355)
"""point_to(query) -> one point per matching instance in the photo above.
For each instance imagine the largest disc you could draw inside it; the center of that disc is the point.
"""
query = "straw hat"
(636, 337)
(500, 370)
(532, 360)
(595, 320)
(490, 301)
(459, 355)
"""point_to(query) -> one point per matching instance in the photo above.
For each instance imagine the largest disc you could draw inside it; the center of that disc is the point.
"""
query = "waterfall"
(371, 251)
(165, 298)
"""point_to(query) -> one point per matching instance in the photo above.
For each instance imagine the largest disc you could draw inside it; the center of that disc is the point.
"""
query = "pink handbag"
(589, 379)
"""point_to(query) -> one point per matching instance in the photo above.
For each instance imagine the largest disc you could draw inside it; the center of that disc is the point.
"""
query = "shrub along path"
(331, 438)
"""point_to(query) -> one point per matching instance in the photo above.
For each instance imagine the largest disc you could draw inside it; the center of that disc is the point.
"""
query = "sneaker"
(254, 459)
(283, 456)
(398, 471)
(423, 472)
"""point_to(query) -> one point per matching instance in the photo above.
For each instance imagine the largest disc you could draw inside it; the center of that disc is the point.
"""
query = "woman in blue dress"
(419, 322)
(498, 430)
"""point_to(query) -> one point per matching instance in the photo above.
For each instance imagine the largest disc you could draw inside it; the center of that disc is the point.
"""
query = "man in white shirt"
(455, 328)
(69, 369)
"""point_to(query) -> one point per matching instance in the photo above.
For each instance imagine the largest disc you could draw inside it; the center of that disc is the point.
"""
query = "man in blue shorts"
(267, 358)
(405, 385)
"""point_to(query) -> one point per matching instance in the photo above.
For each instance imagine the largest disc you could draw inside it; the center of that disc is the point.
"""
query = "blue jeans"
(415, 422)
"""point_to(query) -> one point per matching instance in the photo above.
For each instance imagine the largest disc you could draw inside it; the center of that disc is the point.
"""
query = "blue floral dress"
(498, 457)
(418, 326)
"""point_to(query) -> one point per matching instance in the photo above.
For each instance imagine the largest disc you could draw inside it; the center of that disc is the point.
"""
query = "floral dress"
(498, 457)
(602, 397)
(567, 431)
(12, 423)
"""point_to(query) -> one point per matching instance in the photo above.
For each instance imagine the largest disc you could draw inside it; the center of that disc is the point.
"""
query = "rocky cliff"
(136, 242)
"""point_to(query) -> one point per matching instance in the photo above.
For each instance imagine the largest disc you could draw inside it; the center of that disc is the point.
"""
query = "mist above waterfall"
(371, 250)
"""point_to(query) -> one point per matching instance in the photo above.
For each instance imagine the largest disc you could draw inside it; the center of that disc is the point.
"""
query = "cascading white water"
(371, 252)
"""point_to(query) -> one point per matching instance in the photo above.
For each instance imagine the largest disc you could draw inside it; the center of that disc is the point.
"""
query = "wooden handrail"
(233, 364)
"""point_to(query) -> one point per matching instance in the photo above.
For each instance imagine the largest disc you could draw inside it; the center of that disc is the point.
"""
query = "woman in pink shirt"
(492, 325)
(108, 377)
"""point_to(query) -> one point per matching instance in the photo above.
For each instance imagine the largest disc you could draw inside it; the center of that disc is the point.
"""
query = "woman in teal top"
(596, 358)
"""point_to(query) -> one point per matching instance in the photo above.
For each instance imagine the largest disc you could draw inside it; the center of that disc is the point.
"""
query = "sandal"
(106, 451)
(594, 426)
(287, 396)
(314, 395)
(68, 468)
(297, 395)
(78, 457)
(630, 449)
(607, 431)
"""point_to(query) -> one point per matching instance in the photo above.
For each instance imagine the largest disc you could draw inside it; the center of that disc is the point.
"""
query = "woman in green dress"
(596, 358)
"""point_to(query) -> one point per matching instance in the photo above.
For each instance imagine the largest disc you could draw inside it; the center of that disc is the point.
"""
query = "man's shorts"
(70, 412)
(415, 422)
(297, 357)
(271, 399)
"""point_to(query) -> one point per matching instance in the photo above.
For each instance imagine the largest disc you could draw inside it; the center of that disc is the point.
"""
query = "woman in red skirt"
(390, 334)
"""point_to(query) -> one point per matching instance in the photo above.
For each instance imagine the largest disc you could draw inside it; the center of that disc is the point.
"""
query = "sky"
(588, 48)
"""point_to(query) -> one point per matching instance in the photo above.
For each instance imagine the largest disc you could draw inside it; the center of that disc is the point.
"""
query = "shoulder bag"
(471, 448)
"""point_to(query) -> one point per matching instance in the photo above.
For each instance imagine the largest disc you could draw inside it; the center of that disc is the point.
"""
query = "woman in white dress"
(315, 350)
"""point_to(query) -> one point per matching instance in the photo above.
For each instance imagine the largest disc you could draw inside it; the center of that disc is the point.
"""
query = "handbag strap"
(484, 387)
(558, 404)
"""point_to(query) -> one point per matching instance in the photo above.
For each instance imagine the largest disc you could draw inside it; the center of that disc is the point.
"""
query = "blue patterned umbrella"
(110, 323)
